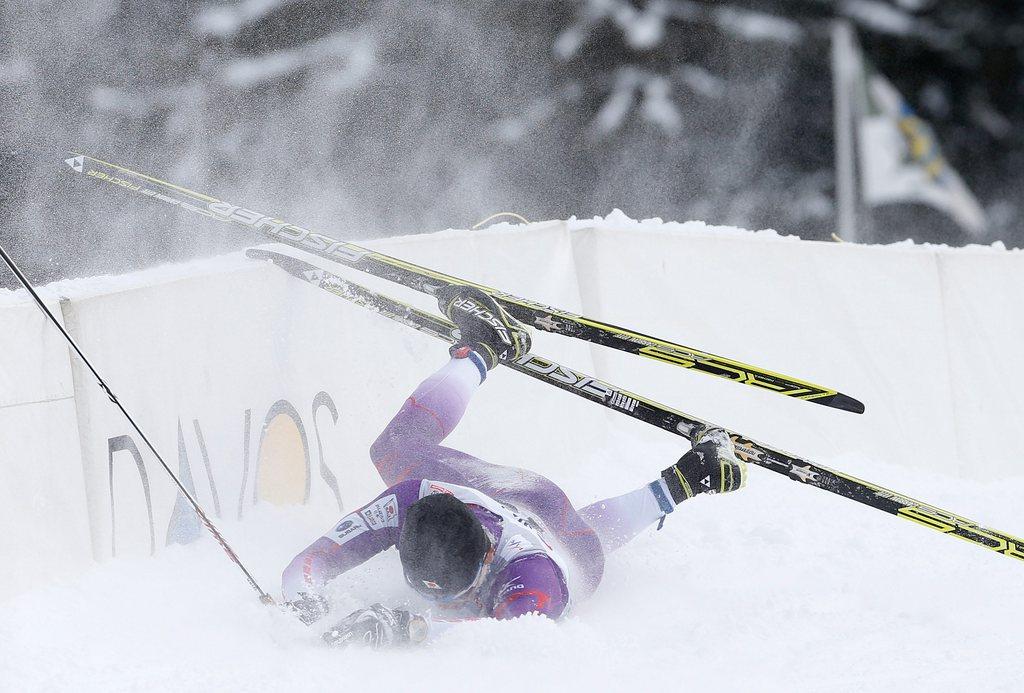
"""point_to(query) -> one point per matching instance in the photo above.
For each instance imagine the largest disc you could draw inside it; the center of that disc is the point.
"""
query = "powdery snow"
(777, 587)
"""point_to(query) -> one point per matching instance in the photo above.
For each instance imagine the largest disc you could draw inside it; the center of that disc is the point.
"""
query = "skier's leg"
(488, 335)
(426, 418)
(710, 467)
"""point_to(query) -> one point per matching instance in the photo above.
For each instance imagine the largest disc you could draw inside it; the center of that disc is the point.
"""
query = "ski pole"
(264, 597)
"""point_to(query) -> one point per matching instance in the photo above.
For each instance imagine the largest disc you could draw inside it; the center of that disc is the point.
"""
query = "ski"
(428, 281)
(660, 415)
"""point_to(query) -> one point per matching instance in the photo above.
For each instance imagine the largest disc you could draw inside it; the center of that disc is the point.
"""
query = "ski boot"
(484, 326)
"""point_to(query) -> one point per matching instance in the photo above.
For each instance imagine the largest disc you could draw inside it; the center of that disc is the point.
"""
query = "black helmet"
(442, 546)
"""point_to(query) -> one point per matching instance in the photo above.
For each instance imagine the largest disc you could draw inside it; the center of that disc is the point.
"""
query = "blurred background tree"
(384, 117)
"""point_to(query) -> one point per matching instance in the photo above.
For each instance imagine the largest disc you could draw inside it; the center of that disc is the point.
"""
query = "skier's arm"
(356, 538)
(530, 585)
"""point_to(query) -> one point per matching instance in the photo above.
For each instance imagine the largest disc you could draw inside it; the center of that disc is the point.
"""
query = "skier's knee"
(378, 449)
(385, 446)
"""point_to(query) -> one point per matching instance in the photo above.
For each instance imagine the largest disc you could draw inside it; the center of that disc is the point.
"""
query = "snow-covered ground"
(778, 587)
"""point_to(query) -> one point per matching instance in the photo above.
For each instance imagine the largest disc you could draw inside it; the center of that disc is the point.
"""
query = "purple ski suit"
(544, 550)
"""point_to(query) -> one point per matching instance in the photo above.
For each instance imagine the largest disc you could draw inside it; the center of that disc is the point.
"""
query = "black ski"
(428, 281)
(666, 418)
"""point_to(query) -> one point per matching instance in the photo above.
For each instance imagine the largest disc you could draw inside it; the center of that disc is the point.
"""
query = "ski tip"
(292, 265)
(286, 262)
(843, 402)
(257, 254)
(77, 162)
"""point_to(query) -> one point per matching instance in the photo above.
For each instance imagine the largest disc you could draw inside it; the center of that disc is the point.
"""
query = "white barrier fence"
(257, 388)
(44, 527)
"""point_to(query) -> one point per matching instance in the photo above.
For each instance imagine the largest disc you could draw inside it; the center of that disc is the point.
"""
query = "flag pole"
(842, 88)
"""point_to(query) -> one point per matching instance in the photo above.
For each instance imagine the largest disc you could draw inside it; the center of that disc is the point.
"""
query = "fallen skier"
(477, 539)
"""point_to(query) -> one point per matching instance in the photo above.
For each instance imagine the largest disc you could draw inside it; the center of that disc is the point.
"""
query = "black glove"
(710, 467)
(309, 607)
(378, 626)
